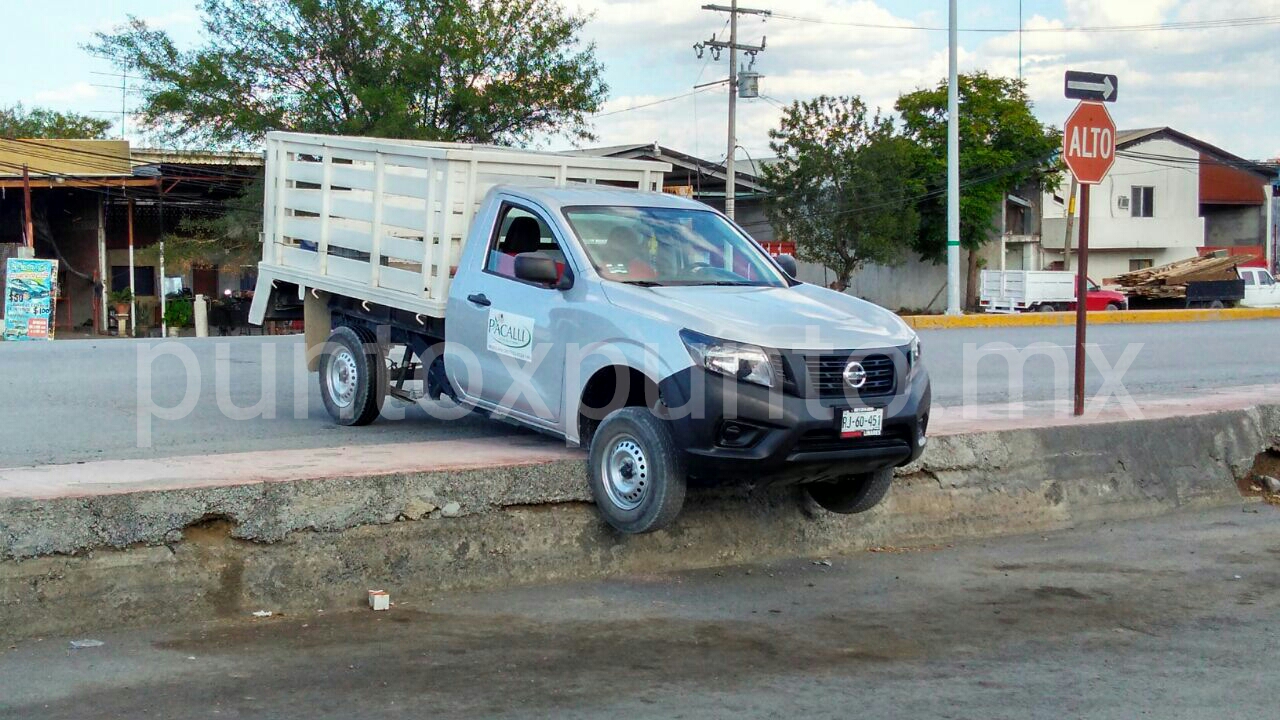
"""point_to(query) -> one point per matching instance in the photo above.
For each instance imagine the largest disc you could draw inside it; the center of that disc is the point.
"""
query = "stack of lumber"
(1170, 281)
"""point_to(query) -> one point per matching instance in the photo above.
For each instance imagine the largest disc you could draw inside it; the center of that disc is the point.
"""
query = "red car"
(1099, 299)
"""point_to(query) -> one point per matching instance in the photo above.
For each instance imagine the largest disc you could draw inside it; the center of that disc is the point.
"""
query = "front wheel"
(353, 376)
(1112, 307)
(852, 493)
(637, 474)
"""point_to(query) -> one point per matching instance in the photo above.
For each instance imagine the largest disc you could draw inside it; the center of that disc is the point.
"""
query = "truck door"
(1269, 291)
(510, 325)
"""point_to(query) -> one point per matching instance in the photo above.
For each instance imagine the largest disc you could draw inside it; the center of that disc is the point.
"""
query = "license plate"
(861, 422)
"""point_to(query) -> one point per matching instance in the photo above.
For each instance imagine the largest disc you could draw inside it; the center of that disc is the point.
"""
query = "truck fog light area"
(737, 435)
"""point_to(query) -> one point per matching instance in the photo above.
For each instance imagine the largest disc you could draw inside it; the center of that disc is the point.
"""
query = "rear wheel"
(1112, 307)
(1217, 305)
(852, 493)
(353, 376)
(637, 474)
(1045, 307)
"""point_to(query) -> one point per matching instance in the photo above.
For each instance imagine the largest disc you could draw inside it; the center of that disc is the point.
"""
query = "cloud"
(1210, 83)
(72, 93)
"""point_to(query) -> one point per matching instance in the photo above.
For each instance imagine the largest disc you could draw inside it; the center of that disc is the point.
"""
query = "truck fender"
(582, 363)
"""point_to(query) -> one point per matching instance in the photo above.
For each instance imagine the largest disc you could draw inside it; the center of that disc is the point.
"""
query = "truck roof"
(555, 198)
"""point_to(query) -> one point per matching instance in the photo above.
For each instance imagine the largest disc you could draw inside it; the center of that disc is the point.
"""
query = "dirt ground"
(1171, 617)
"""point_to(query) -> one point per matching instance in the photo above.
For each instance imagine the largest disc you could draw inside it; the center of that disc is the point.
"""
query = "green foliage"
(844, 185)
(18, 122)
(178, 312)
(228, 238)
(1002, 146)
(123, 296)
(448, 70)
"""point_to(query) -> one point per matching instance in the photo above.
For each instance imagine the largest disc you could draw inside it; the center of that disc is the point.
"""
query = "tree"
(451, 70)
(1002, 146)
(18, 122)
(843, 185)
(444, 70)
(229, 237)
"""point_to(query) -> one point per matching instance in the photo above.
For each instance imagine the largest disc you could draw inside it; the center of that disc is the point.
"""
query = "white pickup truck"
(1260, 289)
(568, 294)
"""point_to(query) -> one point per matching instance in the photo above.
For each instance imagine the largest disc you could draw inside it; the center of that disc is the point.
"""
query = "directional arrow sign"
(1091, 86)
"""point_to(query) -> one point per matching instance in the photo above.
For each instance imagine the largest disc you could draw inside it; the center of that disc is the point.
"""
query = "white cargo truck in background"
(570, 295)
(1010, 291)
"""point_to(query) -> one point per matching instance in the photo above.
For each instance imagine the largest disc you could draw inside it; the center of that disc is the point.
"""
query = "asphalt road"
(1172, 618)
(78, 400)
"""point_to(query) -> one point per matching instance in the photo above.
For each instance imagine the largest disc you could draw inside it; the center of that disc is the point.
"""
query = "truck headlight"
(748, 363)
(915, 351)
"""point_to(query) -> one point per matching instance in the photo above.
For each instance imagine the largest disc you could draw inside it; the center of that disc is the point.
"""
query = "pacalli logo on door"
(510, 335)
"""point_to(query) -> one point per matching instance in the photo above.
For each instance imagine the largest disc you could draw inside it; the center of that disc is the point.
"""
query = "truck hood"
(795, 318)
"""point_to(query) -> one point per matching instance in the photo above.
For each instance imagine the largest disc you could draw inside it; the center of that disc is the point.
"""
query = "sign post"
(1089, 149)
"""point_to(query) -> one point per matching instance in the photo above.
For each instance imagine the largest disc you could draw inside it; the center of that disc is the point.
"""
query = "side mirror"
(788, 265)
(536, 268)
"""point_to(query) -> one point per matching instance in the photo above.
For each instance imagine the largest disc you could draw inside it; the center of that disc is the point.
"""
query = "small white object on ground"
(451, 509)
(825, 562)
(379, 600)
(1270, 484)
(262, 613)
(81, 644)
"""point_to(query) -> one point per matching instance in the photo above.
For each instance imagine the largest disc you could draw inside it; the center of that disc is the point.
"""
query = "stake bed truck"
(570, 295)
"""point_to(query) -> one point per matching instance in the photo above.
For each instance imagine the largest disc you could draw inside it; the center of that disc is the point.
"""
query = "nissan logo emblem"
(855, 376)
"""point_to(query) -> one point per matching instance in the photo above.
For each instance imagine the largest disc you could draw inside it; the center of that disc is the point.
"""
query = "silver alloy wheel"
(342, 377)
(625, 473)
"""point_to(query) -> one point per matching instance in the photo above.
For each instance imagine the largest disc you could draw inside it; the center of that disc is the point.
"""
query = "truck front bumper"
(734, 430)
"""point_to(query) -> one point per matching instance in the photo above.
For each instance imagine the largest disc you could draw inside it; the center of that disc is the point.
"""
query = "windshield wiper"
(728, 282)
(641, 283)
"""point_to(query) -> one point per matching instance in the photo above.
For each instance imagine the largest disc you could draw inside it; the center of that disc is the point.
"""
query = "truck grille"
(826, 375)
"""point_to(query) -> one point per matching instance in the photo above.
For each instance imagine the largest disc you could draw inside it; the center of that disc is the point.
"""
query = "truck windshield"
(669, 246)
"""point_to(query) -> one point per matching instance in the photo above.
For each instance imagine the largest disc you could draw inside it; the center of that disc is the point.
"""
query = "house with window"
(1168, 197)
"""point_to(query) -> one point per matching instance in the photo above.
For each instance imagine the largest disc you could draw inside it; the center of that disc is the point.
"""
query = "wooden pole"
(28, 227)
(1071, 218)
(1082, 297)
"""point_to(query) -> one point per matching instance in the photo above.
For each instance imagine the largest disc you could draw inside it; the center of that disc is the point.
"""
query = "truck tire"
(852, 493)
(353, 376)
(1046, 307)
(636, 471)
(1217, 305)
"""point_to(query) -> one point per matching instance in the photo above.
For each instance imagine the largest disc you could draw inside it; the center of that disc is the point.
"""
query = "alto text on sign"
(1089, 142)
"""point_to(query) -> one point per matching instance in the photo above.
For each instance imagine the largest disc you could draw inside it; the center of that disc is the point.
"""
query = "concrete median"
(125, 556)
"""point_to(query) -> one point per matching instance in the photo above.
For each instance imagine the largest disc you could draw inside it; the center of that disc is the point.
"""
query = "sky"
(1221, 85)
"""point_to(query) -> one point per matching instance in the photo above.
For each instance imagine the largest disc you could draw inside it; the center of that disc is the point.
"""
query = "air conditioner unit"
(1122, 202)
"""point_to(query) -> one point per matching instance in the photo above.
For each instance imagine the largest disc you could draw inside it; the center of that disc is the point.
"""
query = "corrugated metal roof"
(155, 156)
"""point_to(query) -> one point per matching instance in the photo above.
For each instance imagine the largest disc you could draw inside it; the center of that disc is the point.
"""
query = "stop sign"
(1089, 142)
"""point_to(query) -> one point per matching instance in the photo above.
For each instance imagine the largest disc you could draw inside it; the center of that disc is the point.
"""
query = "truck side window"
(519, 231)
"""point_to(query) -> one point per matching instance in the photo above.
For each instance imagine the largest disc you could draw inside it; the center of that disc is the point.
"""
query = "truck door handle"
(479, 299)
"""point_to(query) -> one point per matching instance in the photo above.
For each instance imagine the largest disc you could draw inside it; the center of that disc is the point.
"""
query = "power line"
(1147, 27)
(651, 104)
(939, 192)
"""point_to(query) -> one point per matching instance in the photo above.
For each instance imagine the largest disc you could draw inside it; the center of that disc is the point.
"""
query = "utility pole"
(730, 183)
(953, 170)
